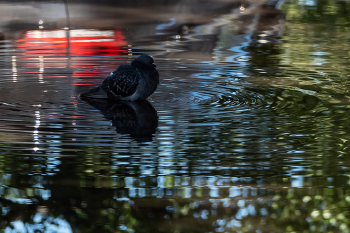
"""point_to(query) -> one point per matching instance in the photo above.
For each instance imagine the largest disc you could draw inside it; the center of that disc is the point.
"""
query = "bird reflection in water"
(136, 118)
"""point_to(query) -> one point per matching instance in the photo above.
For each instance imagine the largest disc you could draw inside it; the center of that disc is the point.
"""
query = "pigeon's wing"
(121, 82)
(96, 92)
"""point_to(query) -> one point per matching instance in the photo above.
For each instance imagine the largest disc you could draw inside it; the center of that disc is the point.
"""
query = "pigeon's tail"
(96, 93)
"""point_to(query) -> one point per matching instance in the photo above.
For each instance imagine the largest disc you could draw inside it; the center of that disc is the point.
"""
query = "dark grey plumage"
(128, 82)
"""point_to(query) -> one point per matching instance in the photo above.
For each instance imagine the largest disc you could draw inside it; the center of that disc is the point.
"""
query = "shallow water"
(247, 132)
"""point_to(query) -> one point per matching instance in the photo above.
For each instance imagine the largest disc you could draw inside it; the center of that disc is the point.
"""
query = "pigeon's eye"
(149, 61)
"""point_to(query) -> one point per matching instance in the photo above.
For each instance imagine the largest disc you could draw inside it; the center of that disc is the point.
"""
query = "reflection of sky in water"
(164, 25)
(308, 2)
(240, 56)
(40, 224)
(297, 181)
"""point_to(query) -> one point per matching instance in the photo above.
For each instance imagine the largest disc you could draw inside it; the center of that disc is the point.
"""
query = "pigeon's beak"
(154, 65)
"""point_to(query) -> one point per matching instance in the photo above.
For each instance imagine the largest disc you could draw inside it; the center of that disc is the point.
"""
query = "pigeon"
(128, 82)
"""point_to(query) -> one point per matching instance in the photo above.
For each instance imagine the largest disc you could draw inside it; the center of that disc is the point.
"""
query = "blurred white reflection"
(46, 34)
(41, 223)
(263, 41)
(91, 33)
(93, 40)
(37, 34)
(41, 64)
(36, 132)
(41, 69)
(14, 69)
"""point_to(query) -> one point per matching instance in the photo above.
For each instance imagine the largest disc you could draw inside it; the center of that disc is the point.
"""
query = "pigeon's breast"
(147, 85)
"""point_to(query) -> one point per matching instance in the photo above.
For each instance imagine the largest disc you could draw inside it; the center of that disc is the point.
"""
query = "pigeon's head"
(145, 59)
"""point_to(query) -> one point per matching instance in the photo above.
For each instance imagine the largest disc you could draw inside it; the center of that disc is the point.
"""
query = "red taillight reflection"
(82, 42)
(76, 49)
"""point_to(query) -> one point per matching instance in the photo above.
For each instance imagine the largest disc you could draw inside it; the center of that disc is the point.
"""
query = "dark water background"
(248, 131)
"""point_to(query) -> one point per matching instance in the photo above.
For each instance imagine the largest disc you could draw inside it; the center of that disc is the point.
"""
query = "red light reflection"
(82, 42)
(76, 49)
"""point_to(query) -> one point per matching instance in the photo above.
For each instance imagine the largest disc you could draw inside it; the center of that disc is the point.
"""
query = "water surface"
(247, 132)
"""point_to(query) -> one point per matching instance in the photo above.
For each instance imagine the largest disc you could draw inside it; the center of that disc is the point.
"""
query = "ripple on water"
(191, 95)
(238, 124)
